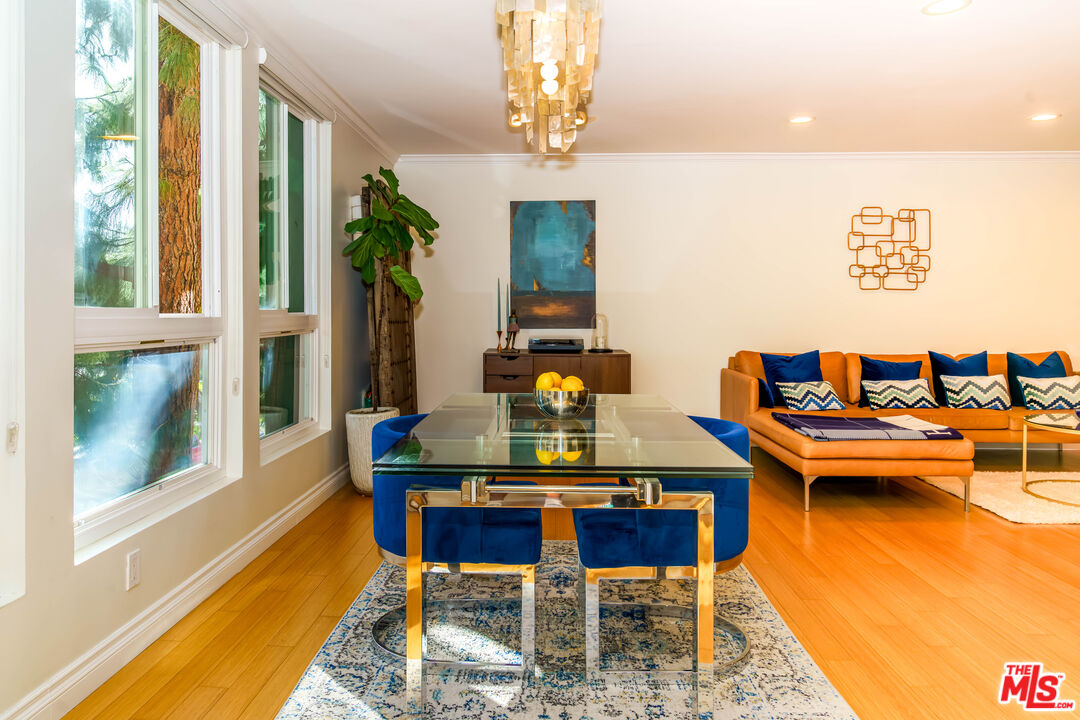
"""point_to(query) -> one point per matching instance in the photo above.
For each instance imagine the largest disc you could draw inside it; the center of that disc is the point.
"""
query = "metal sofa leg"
(967, 493)
(807, 479)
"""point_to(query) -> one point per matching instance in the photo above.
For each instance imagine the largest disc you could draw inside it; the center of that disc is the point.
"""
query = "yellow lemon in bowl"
(556, 380)
(572, 384)
(546, 456)
(573, 456)
(545, 382)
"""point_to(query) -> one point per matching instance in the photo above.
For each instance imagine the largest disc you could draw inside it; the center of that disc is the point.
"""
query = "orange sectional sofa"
(882, 458)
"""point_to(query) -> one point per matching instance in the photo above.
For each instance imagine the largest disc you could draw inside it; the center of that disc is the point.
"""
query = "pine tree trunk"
(179, 250)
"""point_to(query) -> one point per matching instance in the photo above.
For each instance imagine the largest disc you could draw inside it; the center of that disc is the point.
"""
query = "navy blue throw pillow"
(1020, 366)
(945, 365)
(886, 370)
(790, 368)
(764, 394)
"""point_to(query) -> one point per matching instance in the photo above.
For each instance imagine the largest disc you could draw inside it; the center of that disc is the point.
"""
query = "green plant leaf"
(391, 180)
(362, 253)
(351, 247)
(402, 237)
(379, 211)
(359, 224)
(367, 273)
(407, 282)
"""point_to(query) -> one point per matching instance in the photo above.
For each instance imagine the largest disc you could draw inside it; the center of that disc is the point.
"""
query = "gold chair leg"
(528, 620)
(592, 622)
(414, 614)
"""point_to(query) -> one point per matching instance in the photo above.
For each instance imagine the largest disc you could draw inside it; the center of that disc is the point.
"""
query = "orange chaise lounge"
(880, 458)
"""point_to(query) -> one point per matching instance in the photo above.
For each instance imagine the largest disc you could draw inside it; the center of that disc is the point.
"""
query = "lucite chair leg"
(592, 622)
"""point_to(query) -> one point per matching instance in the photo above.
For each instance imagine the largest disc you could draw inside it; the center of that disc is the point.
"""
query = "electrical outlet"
(133, 576)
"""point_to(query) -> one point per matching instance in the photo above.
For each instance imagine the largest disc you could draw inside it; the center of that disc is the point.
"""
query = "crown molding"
(616, 158)
(313, 83)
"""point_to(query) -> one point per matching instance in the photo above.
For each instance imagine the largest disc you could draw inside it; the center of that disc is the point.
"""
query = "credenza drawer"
(508, 383)
(514, 365)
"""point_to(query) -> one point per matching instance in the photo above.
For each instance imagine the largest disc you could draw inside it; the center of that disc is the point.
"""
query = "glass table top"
(616, 436)
(1065, 421)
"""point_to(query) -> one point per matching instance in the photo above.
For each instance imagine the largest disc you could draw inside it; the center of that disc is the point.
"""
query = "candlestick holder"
(498, 345)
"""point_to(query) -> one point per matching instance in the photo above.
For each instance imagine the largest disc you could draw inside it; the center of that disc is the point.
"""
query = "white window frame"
(12, 249)
(113, 329)
(316, 318)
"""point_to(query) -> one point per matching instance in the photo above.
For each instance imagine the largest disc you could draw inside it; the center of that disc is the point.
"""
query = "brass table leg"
(1026, 484)
(703, 620)
(414, 613)
(1023, 460)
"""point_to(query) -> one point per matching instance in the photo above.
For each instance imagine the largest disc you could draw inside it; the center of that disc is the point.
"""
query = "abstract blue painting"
(553, 263)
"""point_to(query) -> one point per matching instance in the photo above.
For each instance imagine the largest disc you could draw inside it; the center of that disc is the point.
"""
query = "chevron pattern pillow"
(810, 396)
(884, 394)
(1060, 393)
(984, 392)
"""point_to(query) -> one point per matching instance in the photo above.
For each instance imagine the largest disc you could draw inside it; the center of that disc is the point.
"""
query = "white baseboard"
(67, 688)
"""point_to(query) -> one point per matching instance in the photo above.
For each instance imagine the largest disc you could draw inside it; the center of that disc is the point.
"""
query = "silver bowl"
(562, 404)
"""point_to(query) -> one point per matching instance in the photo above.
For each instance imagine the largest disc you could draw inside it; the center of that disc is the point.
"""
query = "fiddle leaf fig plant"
(387, 233)
(383, 239)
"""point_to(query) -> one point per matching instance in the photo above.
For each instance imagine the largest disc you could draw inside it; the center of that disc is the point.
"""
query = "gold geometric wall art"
(891, 251)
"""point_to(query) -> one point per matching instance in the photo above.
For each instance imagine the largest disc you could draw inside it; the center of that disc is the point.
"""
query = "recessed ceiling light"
(801, 119)
(945, 7)
(1043, 117)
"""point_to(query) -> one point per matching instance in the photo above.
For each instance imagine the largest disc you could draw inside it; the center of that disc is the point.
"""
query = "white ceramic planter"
(358, 425)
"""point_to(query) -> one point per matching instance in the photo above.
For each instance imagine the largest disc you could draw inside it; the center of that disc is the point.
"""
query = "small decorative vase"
(358, 425)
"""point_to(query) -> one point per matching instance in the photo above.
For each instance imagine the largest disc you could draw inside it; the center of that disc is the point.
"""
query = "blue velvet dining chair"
(659, 544)
(464, 540)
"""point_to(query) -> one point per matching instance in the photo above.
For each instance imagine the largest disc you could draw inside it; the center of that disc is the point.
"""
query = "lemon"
(544, 382)
(556, 380)
(571, 456)
(572, 384)
(546, 456)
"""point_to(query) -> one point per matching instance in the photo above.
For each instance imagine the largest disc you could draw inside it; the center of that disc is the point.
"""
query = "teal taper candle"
(498, 294)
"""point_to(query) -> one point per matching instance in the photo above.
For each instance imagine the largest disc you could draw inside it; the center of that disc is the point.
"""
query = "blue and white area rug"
(352, 678)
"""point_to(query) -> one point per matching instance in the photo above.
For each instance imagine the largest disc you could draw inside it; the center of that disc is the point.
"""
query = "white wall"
(700, 257)
(68, 609)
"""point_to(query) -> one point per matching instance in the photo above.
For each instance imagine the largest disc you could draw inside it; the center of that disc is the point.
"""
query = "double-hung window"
(292, 307)
(149, 345)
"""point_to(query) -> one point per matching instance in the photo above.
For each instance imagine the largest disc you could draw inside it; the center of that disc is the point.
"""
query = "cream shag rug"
(1001, 494)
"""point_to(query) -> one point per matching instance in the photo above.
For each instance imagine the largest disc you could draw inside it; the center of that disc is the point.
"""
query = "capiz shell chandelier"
(549, 54)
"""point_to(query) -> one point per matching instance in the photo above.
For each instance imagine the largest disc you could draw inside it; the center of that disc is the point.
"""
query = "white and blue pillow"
(1057, 393)
(806, 396)
(893, 394)
(982, 392)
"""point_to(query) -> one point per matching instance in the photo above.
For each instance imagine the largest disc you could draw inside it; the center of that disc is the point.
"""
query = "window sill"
(150, 507)
(9, 597)
(285, 441)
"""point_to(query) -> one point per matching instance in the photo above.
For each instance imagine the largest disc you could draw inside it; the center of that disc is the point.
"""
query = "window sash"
(212, 450)
(118, 328)
(289, 105)
(306, 377)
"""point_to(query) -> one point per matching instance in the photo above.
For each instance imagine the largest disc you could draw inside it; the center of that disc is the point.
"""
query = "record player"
(556, 345)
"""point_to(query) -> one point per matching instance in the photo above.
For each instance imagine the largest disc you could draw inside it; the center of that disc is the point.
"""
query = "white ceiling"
(714, 75)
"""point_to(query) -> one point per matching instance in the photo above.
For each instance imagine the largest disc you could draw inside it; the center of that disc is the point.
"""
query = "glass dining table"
(484, 436)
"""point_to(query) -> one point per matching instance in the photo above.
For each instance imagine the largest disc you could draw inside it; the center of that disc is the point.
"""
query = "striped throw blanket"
(897, 427)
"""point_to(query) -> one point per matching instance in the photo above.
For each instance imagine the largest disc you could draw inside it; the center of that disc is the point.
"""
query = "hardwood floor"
(910, 607)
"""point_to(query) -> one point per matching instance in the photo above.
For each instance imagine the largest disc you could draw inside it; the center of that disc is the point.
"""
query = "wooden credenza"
(601, 372)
